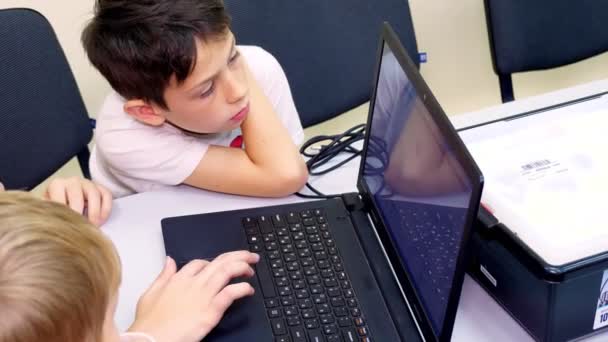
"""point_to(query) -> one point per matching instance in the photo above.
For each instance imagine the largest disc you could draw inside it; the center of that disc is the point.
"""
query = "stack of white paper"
(547, 180)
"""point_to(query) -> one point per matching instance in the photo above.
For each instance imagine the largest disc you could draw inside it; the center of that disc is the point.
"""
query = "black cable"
(331, 146)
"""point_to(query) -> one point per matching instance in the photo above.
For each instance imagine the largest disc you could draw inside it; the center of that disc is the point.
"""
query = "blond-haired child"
(59, 279)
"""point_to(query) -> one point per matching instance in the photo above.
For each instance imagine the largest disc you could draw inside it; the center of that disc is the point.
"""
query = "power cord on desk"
(331, 146)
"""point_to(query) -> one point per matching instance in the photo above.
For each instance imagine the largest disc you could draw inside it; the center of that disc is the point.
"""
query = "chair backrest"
(43, 120)
(327, 48)
(535, 35)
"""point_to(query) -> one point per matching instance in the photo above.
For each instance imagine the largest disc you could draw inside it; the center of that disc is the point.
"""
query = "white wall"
(453, 33)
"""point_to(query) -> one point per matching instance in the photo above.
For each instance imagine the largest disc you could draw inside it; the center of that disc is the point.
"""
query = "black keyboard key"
(289, 257)
(314, 238)
(323, 264)
(293, 321)
(301, 244)
(252, 231)
(316, 289)
(293, 217)
(305, 303)
(279, 221)
(330, 242)
(307, 261)
(349, 293)
(298, 334)
(299, 236)
(293, 266)
(282, 281)
(323, 309)
(284, 338)
(305, 253)
(306, 214)
(284, 291)
(312, 323)
(327, 319)
(351, 302)
(338, 267)
(308, 313)
(317, 247)
(302, 293)
(282, 231)
(296, 227)
(330, 282)
(330, 329)
(283, 240)
(323, 227)
(312, 230)
(355, 312)
(316, 335)
(290, 311)
(327, 273)
(337, 302)
(274, 255)
(320, 298)
(310, 270)
(314, 279)
(256, 247)
(278, 326)
(296, 275)
(332, 251)
(279, 273)
(334, 292)
(321, 255)
(321, 219)
(249, 222)
(286, 249)
(344, 322)
(265, 279)
(341, 312)
(309, 221)
(253, 239)
(288, 301)
(271, 302)
(274, 313)
(265, 224)
(350, 335)
(278, 263)
(325, 235)
(271, 246)
(299, 284)
(269, 237)
(334, 338)
(345, 284)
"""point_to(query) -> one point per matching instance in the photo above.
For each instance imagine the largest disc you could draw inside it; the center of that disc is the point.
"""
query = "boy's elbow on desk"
(291, 180)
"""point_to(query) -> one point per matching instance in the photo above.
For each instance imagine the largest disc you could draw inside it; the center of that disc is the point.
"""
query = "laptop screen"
(418, 187)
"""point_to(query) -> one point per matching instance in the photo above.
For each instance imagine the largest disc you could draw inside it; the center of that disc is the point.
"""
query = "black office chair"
(327, 48)
(535, 35)
(43, 120)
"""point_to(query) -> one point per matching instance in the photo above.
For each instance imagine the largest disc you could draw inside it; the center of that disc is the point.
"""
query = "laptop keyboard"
(307, 293)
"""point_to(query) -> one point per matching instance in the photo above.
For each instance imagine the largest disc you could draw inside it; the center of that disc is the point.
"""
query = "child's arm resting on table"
(269, 166)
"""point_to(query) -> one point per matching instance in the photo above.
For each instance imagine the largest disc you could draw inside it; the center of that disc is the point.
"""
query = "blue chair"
(43, 120)
(535, 35)
(327, 48)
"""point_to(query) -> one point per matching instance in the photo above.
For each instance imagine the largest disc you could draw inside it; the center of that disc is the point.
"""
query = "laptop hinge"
(394, 298)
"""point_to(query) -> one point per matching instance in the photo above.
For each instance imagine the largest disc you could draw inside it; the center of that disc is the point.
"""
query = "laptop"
(384, 264)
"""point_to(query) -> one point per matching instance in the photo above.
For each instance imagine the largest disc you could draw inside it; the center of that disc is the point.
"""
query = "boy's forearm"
(267, 142)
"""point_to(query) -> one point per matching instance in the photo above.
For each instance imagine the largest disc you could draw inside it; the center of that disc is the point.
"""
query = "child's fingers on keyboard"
(229, 294)
(218, 275)
(193, 268)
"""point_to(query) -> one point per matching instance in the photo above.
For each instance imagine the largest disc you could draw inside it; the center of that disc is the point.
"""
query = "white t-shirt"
(131, 157)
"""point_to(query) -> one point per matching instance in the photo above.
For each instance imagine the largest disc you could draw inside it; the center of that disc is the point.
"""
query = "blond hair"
(58, 272)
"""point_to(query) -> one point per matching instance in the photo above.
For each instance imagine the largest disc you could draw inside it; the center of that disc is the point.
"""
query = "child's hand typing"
(185, 306)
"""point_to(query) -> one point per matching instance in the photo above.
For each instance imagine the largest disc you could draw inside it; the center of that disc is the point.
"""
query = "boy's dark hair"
(138, 45)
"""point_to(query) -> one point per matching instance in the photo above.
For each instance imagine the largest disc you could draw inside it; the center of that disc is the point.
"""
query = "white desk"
(134, 227)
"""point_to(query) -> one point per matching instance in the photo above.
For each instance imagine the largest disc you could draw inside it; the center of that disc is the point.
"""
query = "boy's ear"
(144, 112)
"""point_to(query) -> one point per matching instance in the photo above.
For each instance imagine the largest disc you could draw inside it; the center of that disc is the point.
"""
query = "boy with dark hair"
(185, 95)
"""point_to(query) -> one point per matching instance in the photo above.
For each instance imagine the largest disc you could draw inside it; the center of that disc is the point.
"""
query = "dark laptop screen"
(418, 187)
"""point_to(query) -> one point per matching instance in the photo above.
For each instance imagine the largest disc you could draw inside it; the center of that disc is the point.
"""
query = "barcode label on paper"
(536, 164)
